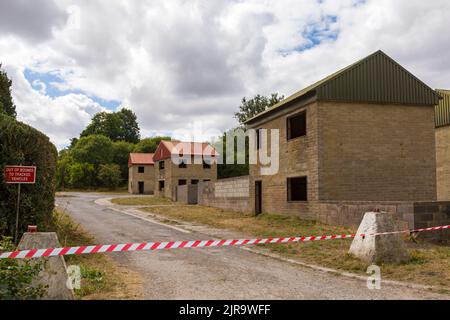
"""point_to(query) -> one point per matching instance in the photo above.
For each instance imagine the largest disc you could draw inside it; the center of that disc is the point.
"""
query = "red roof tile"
(167, 148)
(141, 158)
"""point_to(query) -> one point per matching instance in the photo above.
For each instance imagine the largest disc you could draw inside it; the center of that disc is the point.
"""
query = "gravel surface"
(213, 273)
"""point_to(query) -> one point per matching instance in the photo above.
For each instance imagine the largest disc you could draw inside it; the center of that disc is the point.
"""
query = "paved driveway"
(213, 273)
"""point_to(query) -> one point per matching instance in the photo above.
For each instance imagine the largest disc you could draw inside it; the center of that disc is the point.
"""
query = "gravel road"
(220, 273)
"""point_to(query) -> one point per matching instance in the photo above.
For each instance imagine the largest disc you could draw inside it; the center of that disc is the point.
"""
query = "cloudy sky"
(186, 64)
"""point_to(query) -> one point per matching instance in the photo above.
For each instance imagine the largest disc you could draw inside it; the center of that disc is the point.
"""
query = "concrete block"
(54, 272)
(379, 249)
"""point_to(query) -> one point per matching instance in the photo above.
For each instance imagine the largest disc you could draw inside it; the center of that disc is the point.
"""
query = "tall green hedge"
(22, 144)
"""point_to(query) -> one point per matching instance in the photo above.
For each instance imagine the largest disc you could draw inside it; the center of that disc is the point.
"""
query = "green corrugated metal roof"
(442, 114)
(376, 78)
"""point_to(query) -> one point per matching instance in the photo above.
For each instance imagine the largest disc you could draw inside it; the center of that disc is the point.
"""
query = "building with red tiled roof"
(183, 163)
(141, 173)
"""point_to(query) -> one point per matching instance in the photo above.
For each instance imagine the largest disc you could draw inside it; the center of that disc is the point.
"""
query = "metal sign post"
(16, 232)
(19, 175)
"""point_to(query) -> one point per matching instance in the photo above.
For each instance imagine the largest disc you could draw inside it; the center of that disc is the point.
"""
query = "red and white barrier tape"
(51, 252)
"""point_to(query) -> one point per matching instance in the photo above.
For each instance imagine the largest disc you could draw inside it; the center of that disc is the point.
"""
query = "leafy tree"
(247, 110)
(149, 145)
(73, 142)
(258, 104)
(130, 126)
(232, 170)
(6, 102)
(118, 126)
(121, 152)
(109, 175)
(63, 170)
(93, 149)
(82, 175)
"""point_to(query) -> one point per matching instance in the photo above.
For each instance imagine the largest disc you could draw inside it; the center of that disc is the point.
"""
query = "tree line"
(99, 157)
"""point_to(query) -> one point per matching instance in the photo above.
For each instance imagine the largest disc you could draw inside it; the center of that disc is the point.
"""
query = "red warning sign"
(20, 174)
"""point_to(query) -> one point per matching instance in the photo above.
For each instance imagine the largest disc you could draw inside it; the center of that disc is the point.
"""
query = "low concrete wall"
(431, 214)
(187, 194)
(407, 215)
(228, 194)
(350, 213)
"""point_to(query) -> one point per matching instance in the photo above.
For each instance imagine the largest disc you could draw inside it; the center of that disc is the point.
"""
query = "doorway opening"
(141, 187)
(258, 197)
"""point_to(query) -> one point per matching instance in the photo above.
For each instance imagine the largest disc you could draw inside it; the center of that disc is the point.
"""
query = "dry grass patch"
(143, 201)
(101, 277)
(430, 264)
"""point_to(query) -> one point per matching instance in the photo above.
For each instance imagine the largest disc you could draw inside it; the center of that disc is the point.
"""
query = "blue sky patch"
(315, 33)
(44, 82)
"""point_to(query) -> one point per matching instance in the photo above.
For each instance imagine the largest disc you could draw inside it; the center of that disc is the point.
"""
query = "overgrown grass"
(101, 277)
(143, 201)
(429, 265)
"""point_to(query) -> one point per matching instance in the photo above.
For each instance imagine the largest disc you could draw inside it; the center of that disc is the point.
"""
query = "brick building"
(443, 145)
(141, 173)
(362, 135)
(183, 163)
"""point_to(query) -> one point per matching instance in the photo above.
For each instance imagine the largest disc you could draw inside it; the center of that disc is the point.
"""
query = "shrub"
(22, 144)
(63, 171)
(16, 276)
(121, 152)
(82, 175)
(93, 149)
(109, 175)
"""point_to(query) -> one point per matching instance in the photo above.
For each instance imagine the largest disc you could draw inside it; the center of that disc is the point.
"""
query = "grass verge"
(143, 201)
(430, 264)
(101, 277)
(120, 190)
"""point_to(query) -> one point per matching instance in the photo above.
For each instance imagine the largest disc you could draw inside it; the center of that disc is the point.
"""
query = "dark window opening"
(182, 165)
(182, 182)
(206, 165)
(206, 180)
(194, 181)
(258, 139)
(141, 169)
(161, 186)
(296, 126)
(297, 189)
(161, 165)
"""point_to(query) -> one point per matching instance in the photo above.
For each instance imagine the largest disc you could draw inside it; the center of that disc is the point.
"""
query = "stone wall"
(148, 177)
(172, 173)
(443, 163)
(407, 215)
(187, 194)
(350, 213)
(297, 158)
(229, 194)
(432, 214)
(376, 152)
(352, 152)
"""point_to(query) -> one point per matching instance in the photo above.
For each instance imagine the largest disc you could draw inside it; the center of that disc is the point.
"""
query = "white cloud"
(176, 63)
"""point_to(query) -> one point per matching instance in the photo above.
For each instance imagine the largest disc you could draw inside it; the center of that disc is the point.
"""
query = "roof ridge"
(317, 84)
